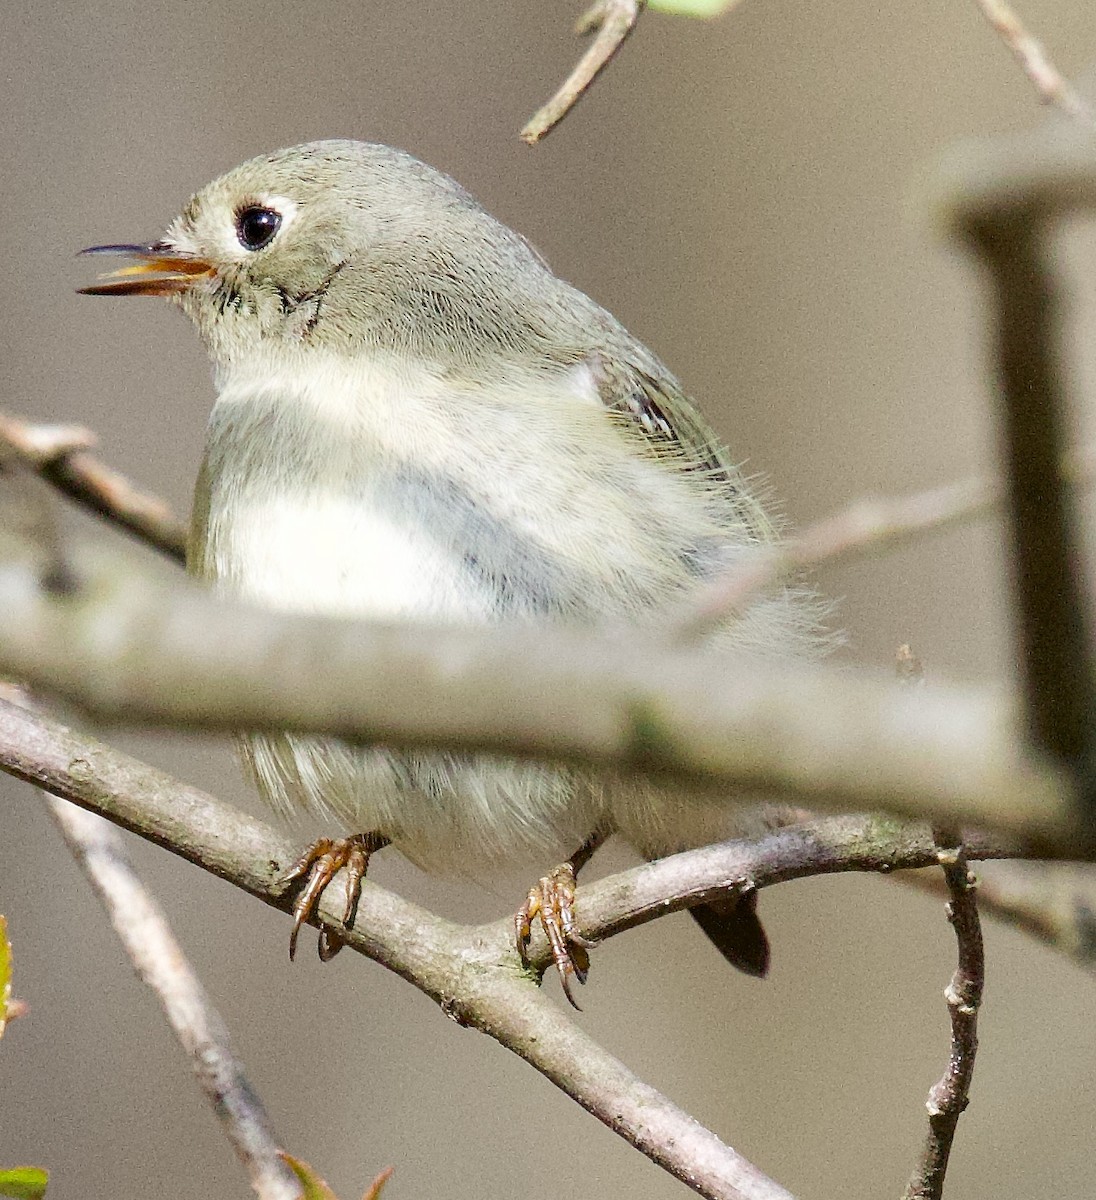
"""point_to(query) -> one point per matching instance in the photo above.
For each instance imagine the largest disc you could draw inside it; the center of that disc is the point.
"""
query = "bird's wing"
(668, 422)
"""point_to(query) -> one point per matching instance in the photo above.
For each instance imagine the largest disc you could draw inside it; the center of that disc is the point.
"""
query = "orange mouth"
(159, 272)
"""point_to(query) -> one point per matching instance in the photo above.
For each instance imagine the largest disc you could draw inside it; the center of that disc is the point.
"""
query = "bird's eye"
(256, 226)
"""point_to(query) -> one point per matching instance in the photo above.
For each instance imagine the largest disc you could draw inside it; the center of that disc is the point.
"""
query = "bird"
(415, 418)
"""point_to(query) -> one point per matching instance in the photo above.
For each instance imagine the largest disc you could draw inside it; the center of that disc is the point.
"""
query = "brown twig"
(1054, 902)
(950, 1096)
(59, 454)
(886, 523)
(611, 21)
(1052, 86)
(160, 962)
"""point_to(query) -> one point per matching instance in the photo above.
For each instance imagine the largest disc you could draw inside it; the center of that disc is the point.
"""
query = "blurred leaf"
(378, 1183)
(317, 1189)
(314, 1187)
(693, 8)
(24, 1183)
(5, 973)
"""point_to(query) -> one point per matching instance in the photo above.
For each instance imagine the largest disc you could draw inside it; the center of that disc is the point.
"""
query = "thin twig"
(1054, 902)
(612, 21)
(950, 1096)
(1052, 86)
(59, 454)
(886, 523)
(160, 962)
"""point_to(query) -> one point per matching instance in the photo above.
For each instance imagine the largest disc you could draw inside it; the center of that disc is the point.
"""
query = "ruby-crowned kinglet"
(416, 418)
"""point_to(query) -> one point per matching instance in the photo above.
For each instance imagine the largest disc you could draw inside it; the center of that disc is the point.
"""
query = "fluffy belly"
(446, 812)
(337, 555)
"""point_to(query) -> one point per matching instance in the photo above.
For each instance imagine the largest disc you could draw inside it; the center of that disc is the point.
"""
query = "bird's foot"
(552, 901)
(317, 866)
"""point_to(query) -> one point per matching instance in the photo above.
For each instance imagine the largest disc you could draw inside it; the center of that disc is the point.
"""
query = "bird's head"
(342, 245)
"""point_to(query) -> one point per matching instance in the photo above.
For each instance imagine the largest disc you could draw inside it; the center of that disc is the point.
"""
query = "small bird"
(416, 418)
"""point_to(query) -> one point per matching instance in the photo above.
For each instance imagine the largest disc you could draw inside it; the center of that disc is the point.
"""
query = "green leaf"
(5, 973)
(693, 8)
(316, 1188)
(24, 1183)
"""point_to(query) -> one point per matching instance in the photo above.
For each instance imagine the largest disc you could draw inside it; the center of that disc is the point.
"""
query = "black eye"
(256, 227)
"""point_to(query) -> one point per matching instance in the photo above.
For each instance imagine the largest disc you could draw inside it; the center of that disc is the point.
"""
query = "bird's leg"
(317, 866)
(552, 901)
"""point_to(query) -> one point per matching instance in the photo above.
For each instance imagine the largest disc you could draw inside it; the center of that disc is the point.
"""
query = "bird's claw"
(317, 866)
(552, 901)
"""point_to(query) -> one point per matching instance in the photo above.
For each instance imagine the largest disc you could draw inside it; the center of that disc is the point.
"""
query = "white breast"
(338, 555)
(306, 525)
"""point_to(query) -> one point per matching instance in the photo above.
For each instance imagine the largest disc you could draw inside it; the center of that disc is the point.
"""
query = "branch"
(1053, 625)
(59, 454)
(160, 962)
(1004, 205)
(1052, 87)
(950, 1096)
(886, 523)
(612, 21)
(474, 974)
(125, 648)
(1054, 902)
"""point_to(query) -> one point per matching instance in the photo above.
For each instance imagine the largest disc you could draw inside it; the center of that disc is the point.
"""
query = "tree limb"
(128, 648)
(474, 974)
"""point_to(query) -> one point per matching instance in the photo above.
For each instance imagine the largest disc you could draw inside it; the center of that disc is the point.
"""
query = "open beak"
(159, 271)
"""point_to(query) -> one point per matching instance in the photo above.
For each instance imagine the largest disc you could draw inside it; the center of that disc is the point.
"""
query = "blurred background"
(743, 194)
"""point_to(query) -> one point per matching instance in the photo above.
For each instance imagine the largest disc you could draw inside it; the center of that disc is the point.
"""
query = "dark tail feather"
(735, 928)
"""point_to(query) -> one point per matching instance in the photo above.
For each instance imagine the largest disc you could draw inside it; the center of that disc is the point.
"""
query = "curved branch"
(474, 974)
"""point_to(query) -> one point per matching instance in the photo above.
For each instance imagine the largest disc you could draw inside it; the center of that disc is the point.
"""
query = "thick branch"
(127, 648)
(473, 974)
(159, 961)
(1053, 627)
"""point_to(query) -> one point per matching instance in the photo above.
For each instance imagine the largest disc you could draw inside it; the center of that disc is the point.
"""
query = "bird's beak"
(160, 270)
